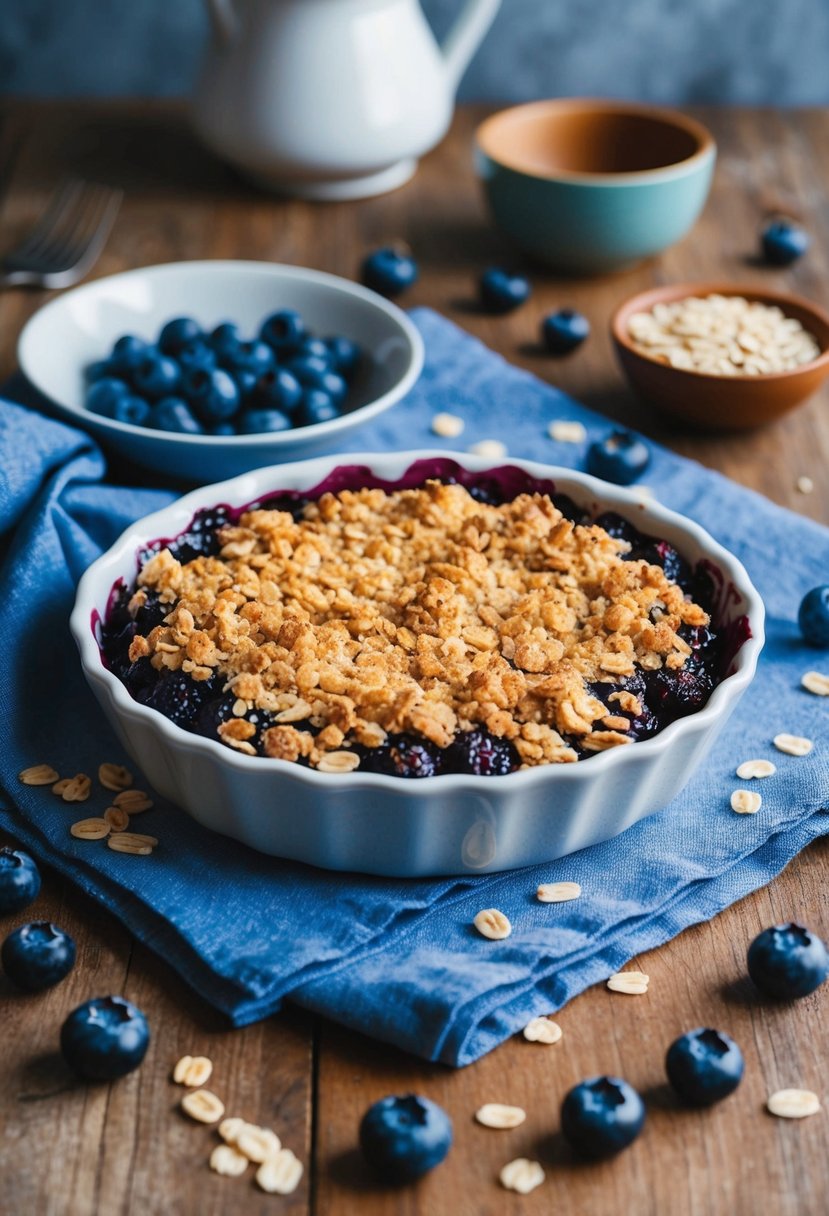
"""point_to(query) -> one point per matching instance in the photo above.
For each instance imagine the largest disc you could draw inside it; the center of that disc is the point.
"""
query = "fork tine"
(62, 199)
(71, 243)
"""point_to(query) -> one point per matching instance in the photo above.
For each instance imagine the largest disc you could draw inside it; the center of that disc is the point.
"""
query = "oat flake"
(493, 449)
(793, 745)
(225, 1160)
(793, 1103)
(492, 924)
(563, 431)
(257, 1143)
(39, 774)
(633, 983)
(557, 892)
(203, 1106)
(542, 1030)
(746, 802)
(756, 768)
(280, 1175)
(522, 1175)
(816, 682)
(496, 1114)
(448, 426)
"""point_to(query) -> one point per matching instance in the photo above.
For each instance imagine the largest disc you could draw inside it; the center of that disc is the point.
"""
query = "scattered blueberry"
(134, 410)
(704, 1066)
(214, 396)
(316, 406)
(253, 422)
(224, 337)
(278, 389)
(246, 383)
(173, 414)
(99, 371)
(256, 357)
(315, 348)
(222, 428)
(620, 457)
(403, 1138)
(156, 376)
(501, 291)
(197, 355)
(105, 1038)
(105, 394)
(602, 1116)
(177, 334)
(344, 355)
(283, 331)
(37, 956)
(788, 961)
(127, 353)
(389, 271)
(784, 242)
(813, 616)
(564, 330)
(19, 880)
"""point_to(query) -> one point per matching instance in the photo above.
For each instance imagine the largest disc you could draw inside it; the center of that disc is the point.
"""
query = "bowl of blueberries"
(205, 370)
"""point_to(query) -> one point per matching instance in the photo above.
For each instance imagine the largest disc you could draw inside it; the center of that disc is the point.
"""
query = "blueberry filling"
(656, 697)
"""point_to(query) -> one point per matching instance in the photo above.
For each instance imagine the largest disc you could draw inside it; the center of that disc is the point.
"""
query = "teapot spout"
(224, 19)
(466, 36)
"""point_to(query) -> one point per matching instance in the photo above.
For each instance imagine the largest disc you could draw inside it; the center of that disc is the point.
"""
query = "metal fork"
(67, 240)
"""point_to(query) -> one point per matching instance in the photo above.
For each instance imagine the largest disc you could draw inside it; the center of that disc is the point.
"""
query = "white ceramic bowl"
(80, 326)
(436, 825)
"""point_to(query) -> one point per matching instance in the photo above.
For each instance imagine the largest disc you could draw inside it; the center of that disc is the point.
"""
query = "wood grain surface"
(74, 1150)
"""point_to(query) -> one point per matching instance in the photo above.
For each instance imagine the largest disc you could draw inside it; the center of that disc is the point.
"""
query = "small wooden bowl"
(721, 403)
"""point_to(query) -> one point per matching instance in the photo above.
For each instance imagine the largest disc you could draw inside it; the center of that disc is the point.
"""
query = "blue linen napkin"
(398, 960)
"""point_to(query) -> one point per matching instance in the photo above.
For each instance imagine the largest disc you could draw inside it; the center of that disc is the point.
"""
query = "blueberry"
(788, 961)
(196, 355)
(501, 291)
(103, 396)
(222, 428)
(404, 756)
(225, 337)
(105, 1038)
(389, 271)
(101, 370)
(784, 242)
(403, 1138)
(564, 330)
(37, 956)
(316, 406)
(620, 457)
(156, 376)
(813, 616)
(256, 357)
(132, 409)
(660, 553)
(173, 414)
(246, 383)
(308, 369)
(278, 389)
(478, 752)
(602, 1116)
(213, 395)
(314, 348)
(127, 353)
(255, 422)
(177, 334)
(704, 1066)
(179, 697)
(201, 538)
(283, 331)
(344, 355)
(19, 880)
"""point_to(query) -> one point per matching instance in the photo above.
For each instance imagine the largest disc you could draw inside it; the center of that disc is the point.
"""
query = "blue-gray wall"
(748, 51)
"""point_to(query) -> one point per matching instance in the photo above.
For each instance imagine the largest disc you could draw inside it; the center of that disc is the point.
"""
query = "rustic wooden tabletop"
(78, 1150)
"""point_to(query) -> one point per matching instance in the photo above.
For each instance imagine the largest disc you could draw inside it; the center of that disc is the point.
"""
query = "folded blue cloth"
(397, 960)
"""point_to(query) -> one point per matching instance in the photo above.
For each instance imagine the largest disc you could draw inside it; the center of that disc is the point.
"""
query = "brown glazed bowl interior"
(721, 403)
(578, 138)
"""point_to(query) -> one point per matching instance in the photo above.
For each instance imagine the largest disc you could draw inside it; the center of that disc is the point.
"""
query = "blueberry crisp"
(416, 631)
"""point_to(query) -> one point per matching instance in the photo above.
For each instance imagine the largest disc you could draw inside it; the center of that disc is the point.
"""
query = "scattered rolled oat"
(634, 983)
(203, 1106)
(493, 449)
(542, 1030)
(805, 485)
(722, 336)
(557, 892)
(114, 776)
(133, 801)
(229, 1128)
(495, 1114)
(225, 1160)
(816, 682)
(449, 426)
(117, 818)
(522, 1175)
(567, 432)
(280, 1175)
(750, 769)
(257, 1143)
(492, 924)
(338, 762)
(39, 774)
(193, 1071)
(746, 802)
(93, 828)
(60, 786)
(793, 1103)
(132, 842)
(793, 745)
(75, 789)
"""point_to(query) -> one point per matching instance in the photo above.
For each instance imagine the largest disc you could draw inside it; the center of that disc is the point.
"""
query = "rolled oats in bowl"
(722, 336)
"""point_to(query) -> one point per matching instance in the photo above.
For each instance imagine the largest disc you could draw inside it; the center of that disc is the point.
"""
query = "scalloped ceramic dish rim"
(96, 585)
(657, 295)
(317, 430)
(634, 177)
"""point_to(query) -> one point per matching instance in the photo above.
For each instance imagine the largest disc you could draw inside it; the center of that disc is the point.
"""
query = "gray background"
(747, 51)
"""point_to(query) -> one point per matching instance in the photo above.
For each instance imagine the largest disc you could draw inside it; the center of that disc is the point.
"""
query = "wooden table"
(124, 1149)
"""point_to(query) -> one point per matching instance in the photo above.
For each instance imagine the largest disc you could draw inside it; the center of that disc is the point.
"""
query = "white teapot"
(331, 99)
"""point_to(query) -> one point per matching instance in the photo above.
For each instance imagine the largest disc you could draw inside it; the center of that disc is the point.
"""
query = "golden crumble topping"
(418, 610)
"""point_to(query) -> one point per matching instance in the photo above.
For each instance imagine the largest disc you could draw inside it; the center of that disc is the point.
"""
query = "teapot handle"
(465, 37)
(224, 19)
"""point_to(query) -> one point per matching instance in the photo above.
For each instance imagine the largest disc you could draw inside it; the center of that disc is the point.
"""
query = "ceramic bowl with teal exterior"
(589, 187)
